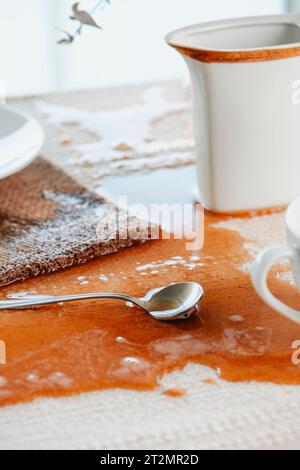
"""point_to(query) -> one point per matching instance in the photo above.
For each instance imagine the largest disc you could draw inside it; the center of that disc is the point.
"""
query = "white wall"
(25, 49)
(294, 5)
(129, 49)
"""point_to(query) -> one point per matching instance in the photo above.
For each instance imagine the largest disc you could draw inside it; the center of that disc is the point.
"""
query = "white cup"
(268, 258)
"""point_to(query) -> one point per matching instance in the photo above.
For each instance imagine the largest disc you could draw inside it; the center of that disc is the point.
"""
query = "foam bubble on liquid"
(121, 340)
(31, 377)
(195, 258)
(131, 360)
(237, 318)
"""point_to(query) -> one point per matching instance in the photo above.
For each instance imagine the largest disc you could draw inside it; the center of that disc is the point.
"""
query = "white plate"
(21, 139)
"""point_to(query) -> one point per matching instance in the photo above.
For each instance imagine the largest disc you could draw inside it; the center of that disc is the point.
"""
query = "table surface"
(222, 415)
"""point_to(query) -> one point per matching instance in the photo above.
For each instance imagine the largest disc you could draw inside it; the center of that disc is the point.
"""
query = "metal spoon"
(174, 302)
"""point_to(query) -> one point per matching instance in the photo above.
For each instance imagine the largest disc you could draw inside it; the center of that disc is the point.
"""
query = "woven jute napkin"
(48, 221)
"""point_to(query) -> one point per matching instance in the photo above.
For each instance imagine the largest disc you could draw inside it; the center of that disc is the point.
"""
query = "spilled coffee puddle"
(71, 348)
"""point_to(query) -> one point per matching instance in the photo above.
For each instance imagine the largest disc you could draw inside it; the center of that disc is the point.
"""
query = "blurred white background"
(130, 48)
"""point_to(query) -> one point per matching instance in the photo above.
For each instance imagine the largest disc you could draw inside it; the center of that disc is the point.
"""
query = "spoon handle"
(45, 300)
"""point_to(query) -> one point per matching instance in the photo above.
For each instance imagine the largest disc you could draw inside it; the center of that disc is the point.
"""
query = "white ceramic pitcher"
(246, 87)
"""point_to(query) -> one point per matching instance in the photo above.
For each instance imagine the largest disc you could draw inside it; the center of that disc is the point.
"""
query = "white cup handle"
(260, 271)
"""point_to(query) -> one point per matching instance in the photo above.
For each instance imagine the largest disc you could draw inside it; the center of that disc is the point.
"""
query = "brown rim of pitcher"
(257, 54)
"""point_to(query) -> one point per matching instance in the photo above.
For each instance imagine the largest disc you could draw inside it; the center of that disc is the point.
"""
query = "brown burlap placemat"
(49, 222)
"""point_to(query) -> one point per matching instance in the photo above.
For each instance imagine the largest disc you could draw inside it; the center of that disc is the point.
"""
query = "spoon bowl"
(173, 302)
